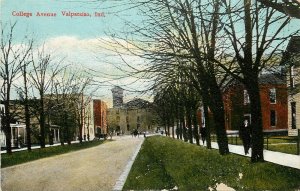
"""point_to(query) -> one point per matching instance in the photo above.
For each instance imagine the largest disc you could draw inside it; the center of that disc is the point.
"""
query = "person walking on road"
(244, 133)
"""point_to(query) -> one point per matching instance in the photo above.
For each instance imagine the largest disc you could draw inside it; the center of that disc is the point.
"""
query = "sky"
(81, 40)
(76, 38)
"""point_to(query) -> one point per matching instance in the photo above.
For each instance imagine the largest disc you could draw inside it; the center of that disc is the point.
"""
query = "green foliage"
(165, 163)
(25, 156)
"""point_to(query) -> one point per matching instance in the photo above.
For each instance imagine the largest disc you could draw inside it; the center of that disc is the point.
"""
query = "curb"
(121, 180)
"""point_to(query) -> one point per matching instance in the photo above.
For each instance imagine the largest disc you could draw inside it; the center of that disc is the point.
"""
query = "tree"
(63, 109)
(80, 101)
(12, 61)
(187, 31)
(253, 48)
(42, 77)
(26, 105)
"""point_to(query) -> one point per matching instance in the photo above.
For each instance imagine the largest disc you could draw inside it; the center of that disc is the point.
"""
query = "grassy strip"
(25, 156)
(274, 140)
(289, 149)
(280, 139)
(284, 148)
(164, 163)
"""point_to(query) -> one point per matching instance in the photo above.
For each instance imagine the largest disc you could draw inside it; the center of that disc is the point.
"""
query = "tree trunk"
(256, 122)
(173, 130)
(185, 137)
(195, 122)
(189, 123)
(217, 107)
(207, 126)
(7, 128)
(42, 121)
(27, 114)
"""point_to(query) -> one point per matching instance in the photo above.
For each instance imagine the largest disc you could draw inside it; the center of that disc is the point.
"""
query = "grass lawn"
(25, 156)
(272, 144)
(164, 163)
(288, 148)
(281, 139)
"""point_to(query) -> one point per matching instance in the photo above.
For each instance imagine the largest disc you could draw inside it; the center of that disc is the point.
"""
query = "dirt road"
(96, 168)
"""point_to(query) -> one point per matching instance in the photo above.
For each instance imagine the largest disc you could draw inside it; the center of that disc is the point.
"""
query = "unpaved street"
(96, 168)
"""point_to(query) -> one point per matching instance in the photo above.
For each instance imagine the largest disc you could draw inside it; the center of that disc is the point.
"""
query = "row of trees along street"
(194, 49)
(33, 72)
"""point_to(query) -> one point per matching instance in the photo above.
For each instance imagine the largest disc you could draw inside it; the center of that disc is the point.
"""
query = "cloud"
(98, 54)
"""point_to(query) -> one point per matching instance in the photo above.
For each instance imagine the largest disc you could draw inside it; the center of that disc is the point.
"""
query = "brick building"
(100, 116)
(274, 104)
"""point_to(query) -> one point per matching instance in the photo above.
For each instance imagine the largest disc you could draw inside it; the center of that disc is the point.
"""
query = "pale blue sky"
(77, 38)
(82, 27)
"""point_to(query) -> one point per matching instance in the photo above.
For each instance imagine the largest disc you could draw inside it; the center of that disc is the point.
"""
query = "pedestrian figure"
(203, 134)
(244, 133)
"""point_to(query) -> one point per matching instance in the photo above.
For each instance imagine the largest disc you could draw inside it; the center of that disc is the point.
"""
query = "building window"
(293, 108)
(273, 118)
(272, 94)
(246, 97)
(127, 119)
(292, 77)
(292, 82)
(128, 127)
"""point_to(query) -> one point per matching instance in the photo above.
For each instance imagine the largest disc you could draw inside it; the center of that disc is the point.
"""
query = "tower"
(117, 93)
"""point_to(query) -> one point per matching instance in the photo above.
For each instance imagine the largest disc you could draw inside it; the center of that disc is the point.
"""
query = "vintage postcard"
(150, 95)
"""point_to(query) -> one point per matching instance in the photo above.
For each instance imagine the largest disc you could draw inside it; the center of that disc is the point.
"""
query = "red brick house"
(274, 103)
(100, 116)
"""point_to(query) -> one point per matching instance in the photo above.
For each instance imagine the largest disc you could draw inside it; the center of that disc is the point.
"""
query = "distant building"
(94, 119)
(291, 62)
(117, 93)
(274, 106)
(126, 117)
(100, 117)
(18, 132)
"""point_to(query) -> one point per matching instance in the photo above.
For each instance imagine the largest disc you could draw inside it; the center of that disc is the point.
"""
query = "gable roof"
(291, 56)
(294, 45)
(271, 79)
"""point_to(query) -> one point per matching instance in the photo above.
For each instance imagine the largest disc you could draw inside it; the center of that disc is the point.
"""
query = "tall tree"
(254, 43)
(12, 61)
(42, 77)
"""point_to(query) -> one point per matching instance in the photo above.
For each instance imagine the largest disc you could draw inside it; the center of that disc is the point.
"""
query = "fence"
(295, 140)
(269, 138)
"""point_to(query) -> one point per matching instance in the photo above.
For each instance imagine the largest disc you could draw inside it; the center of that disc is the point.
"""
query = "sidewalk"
(283, 159)
(38, 147)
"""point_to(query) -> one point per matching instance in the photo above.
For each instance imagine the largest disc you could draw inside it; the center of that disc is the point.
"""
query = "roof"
(291, 55)
(117, 88)
(294, 45)
(137, 103)
(271, 79)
